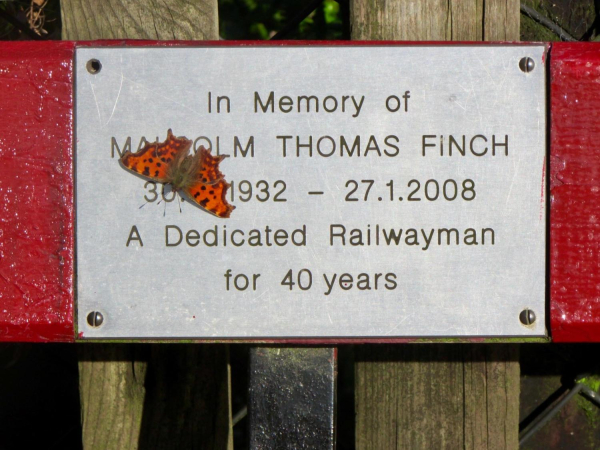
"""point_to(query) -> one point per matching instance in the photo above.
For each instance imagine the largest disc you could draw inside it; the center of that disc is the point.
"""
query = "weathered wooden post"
(154, 395)
(436, 395)
(359, 174)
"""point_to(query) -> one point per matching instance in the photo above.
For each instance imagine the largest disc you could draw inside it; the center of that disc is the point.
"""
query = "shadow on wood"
(155, 396)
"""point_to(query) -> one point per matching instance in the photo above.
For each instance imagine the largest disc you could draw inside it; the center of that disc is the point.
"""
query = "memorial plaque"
(379, 191)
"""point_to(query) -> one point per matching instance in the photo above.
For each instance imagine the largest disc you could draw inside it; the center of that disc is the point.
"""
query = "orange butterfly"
(197, 176)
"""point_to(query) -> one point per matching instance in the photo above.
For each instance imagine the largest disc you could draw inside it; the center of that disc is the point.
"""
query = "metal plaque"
(379, 191)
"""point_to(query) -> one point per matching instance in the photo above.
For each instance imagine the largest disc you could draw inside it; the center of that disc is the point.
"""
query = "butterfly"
(197, 175)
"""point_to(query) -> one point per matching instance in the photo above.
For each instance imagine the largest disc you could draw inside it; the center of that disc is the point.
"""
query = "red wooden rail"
(37, 198)
(575, 192)
(36, 189)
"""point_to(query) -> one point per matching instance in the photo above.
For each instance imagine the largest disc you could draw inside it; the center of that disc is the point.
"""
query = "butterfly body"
(197, 176)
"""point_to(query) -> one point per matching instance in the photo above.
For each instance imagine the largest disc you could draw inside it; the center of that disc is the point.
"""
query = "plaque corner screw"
(95, 319)
(527, 317)
(93, 66)
(526, 64)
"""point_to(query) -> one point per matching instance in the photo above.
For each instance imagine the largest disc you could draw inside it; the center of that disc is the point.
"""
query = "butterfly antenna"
(179, 201)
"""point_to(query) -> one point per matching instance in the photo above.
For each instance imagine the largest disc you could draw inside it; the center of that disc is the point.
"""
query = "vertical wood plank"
(491, 396)
(502, 20)
(435, 20)
(466, 20)
(424, 396)
(146, 19)
(151, 396)
(187, 398)
(443, 395)
(408, 396)
(400, 20)
(112, 392)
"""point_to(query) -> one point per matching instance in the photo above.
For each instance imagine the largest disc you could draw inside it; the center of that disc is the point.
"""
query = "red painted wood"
(36, 188)
(575, 192)
(36, 191)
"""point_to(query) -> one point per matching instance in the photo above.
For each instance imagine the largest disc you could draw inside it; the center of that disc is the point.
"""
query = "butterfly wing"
(210, 190)
(211, 197)
(153, 160)
(209, 172)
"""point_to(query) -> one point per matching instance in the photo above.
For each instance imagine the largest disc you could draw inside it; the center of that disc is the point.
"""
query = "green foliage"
(593, 382)
(590, 409)
(533, 31)
(253, 19)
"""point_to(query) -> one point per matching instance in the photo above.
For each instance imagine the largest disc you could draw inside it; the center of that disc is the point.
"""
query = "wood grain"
(147, 19)
(176, 396)
(154, 396)
(158, 396)
(425, 396)
(448, 395)
(501, 20)
(435, 20)
(111, 385)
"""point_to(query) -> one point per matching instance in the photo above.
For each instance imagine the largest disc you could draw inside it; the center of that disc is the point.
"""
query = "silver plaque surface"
(380, 191)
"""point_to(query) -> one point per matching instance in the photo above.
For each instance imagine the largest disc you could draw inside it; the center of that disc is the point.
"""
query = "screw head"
(527, 317)
(93, 66)
(526, 64)
(95, 319)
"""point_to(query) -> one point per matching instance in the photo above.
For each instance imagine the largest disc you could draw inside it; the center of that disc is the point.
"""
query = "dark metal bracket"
(292, 397)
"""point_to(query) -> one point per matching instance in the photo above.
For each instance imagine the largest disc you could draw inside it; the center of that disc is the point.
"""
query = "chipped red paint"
(575, 192)
(36, 191)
